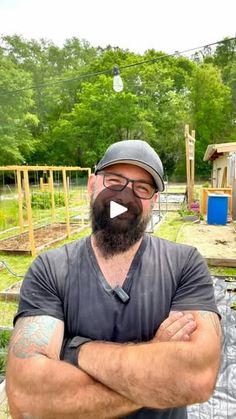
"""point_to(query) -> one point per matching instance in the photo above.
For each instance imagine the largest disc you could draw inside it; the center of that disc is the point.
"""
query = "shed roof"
(213, 150)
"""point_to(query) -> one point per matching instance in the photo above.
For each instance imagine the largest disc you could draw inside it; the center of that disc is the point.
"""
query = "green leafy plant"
(2, 363)
(184, 210)
(4, 338)
(4, 342)
(193, 210)
(42, 200)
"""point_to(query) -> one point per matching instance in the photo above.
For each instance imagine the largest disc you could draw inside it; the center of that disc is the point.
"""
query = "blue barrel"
(217, 209)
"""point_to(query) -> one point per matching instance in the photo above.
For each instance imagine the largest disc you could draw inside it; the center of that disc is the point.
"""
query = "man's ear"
(91, 183)
(155, 197)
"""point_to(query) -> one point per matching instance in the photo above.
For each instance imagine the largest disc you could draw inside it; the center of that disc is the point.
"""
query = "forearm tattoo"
(31, 336)
(213, 318)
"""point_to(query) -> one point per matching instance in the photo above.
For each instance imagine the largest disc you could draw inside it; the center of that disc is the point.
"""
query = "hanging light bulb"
(117, 80)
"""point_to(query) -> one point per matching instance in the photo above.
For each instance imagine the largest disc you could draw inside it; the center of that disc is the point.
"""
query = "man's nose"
(130, 185)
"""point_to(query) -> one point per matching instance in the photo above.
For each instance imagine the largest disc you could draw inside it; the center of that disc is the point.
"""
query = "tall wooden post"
(29, 212)
(51, 189)
(190, 163)
(20, 201)
(234, 200)
(66, 202)
(234, 188)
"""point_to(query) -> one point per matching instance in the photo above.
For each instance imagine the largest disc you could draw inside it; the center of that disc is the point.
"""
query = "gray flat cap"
(138, 153)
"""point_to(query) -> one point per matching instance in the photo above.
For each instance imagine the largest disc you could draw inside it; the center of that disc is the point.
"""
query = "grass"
(19, 264)
(170, 229)
(41, 208)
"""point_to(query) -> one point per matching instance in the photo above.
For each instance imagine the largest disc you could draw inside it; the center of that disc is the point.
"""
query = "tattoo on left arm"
(32, 336)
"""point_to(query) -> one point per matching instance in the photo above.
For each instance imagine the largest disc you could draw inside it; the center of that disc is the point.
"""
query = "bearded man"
(121, 323)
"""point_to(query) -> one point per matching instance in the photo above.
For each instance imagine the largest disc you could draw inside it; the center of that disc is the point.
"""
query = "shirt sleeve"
(40, 292)
(196, 289)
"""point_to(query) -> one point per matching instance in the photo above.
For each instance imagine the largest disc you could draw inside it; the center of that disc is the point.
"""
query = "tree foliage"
(57, 105)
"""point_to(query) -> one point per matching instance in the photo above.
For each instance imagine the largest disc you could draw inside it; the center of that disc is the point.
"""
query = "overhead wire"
(3, 263)
(110, 71)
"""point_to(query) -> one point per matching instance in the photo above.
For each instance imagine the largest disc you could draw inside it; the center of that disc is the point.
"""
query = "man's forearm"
(48, 388)
(158, 375)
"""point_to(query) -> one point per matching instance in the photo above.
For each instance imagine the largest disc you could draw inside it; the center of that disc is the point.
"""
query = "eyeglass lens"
(143, 190)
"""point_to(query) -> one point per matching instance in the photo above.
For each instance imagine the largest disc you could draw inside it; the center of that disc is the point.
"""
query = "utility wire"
(9, 269)
(110, 71)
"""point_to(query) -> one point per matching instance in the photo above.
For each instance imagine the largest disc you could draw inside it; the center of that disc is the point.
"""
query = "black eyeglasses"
(141, 189)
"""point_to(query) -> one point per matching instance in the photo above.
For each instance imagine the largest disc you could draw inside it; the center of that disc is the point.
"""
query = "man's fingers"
(184, 332)
(178, 326)
(169, 323)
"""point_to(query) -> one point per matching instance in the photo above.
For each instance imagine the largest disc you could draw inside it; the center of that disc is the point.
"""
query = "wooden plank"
(29, 213)
(51, 188)
(221, 262)
(206, 191)
(190, 162)
(3, 395)
(224, 178)
(187, 164)
(66, 198)
(234, 200)
(43, 168)
(20, 201)
(11, 296)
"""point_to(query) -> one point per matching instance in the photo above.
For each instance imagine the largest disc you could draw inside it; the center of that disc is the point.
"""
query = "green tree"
(211, 109)
(17, 120)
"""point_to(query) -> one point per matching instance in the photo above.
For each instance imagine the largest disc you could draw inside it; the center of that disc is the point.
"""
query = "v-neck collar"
(129, 278)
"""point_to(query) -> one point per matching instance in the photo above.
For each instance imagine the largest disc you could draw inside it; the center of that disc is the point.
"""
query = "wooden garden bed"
(43, 236)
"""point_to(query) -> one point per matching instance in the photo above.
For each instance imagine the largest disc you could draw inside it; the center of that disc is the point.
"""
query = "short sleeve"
(40, 293)
(195, 290)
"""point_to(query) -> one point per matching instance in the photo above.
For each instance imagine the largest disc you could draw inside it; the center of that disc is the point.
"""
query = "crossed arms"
(178, 367)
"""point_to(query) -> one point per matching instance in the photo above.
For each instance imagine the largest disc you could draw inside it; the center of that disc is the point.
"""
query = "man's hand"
(181, 362)
(177, 327)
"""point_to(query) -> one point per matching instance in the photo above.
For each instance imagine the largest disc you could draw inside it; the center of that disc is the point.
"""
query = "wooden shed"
(224, 167)
(223, 179)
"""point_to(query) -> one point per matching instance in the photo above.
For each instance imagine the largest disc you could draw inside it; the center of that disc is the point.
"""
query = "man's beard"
(118, 234)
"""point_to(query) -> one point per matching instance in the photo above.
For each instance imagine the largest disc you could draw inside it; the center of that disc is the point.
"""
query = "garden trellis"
(34, 183)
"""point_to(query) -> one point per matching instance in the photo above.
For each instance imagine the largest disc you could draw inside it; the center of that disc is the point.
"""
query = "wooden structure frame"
(220, 191)
(223, 175)
(190, 163)
(22, 177)
(219, 155)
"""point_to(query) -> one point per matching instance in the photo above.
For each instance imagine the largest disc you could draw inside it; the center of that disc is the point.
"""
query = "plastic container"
(217, 209)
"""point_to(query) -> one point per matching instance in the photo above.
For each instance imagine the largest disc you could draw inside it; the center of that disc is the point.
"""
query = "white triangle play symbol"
(116, 209)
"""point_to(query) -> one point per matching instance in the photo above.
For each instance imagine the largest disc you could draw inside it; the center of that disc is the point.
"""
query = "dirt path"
(212, 241)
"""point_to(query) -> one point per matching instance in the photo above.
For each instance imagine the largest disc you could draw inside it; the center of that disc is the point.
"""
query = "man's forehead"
(129, 170)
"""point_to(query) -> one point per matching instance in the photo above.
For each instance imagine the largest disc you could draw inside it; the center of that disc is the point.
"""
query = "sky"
(136, 25)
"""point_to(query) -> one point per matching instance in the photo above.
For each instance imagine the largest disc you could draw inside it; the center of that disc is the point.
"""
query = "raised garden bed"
(43, 237)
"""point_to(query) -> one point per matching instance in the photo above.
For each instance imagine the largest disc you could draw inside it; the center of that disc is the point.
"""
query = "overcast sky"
(137, 25)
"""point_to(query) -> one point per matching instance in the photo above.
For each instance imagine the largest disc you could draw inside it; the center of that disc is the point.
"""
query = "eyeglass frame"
(102, 172)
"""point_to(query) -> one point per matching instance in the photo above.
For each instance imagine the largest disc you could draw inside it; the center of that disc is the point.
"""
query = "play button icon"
(116, 209)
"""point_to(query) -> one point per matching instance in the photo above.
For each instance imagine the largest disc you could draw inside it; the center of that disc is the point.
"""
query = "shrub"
(193, 210)
(42, 200)
(4, 342)
(4, 338)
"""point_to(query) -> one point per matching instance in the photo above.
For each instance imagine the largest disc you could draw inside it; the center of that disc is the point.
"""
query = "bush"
(4, 338)
(42, 200)
(193, 210)
(4, 342)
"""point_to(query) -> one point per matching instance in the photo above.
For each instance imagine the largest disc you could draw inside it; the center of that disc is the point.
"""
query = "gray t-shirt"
(68, 284)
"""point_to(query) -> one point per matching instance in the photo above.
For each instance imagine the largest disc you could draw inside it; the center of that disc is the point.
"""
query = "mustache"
(131, 206)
